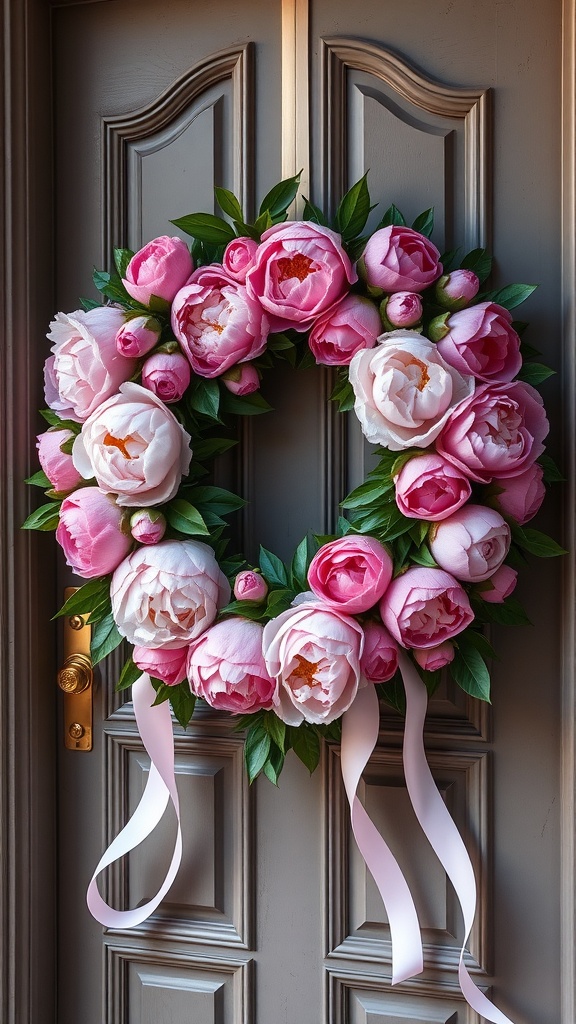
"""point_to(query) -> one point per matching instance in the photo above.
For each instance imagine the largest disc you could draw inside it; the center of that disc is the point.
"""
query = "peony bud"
(499, 586)
(147, 526)
(250, 586)
(241, 379)
(435, 658)
(57, 464)
(167, 376)
(401, 309)
(457, 289)
(138, 336)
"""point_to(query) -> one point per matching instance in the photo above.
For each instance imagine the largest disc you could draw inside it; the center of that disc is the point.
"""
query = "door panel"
(273, 918)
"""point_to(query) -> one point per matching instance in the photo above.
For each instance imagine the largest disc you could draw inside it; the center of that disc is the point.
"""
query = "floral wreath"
(140, 392)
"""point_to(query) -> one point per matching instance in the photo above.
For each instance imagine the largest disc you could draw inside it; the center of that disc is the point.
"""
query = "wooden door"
(273, 918)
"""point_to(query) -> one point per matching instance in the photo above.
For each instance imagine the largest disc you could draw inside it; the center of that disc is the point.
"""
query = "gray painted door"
(273, 919)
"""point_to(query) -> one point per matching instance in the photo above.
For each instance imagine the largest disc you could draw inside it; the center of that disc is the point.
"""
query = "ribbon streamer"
(359, 735)
(440, 829)
(155, 728)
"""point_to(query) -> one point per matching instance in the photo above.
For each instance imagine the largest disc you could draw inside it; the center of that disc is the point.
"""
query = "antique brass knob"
(75, 675)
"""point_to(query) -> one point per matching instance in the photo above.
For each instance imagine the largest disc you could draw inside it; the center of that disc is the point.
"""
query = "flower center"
(424, 375)
(305, 669)
(299, 266)
(119, 443)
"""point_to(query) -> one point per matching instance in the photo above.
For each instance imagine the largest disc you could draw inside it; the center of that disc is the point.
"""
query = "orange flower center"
(306, 669)
(119, 443)
(299, 266)
(424, 376)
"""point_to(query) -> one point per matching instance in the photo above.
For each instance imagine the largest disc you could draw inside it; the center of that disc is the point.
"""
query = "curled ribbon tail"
(359, 735)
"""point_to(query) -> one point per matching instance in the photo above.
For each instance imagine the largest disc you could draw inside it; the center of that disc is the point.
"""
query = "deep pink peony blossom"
(435, 658)
(424, 607)
(148, 525)
(250, 586)
(456, 290)
(379, 659)
(167, 665)
(167, 375)
(521, 496)
(138, 336)
(160, 268)
(350, 573)
(402, 309)
(480, 340)
(431, 488)
(238, 257)
(90, 532)
(226, 668)
(353, 324)
(398, 259)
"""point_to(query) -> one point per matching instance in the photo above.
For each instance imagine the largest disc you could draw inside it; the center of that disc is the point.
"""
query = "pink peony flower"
(166, 375)
(456, 290)
(520, 496)
(405, 391)
(435, 658)
(241, 379)
(161, 268)
(351, 573)
(499, 586)
(480, 340)
(135, 447)
(400, 259)
(472, 543)
(58, 466)
(497, 432)
(226, 667)
(424, 607)
(138, 336)
(431, 488)
(90, 532)
(148, 526)
(238, 257)
(379, 659)
(250, 586)
(300, 271)
(166, 595)
(313, 652)
(402, 309)
(85, 367)
(167, 665)
(352, 324)
(217, 323)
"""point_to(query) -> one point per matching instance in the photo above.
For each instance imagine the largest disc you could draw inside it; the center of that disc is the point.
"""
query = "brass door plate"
(76, 681)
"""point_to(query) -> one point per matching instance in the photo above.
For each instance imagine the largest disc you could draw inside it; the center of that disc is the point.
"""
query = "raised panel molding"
(216, 908)
(355, 999)
(213, 991)
(355, 928)
(468, 108)
(159, 123)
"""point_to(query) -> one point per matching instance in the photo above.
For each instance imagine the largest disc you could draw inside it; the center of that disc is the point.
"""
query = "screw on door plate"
(75, 680)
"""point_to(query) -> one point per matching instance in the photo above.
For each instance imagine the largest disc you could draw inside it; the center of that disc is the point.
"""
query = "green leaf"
(129, 674)
(44, 518)
(313, 213)
(300, 563)
(479, 262)
(343, 393)
(111, 286)
(221, 501)
(552, 473)
(276, 729)
(206, 228)
(279, 601)
(205, 398)
(423, 556)
(247, 609)
(39, 479)
(367, 494)
(54, 420)
(83, 600)
(182, 702)
(208, 447)
(122, 258)
(105, 639)
(256, 750)
(353, 210)
(424, 223)
(392, 216)
(509, 613)
(279, 342)
(392, 693)
(279, 198)
(162, 692)
(513, 295)
(247, 405)
(535, 373)
(536, 543)
(272, 568)
(262, 223)
(476, 639)
(274, 764)
(185, 518)
(356, 247)
(305, 743)
(88, 304)
(450, 260)
(228, 203)
(469, 670)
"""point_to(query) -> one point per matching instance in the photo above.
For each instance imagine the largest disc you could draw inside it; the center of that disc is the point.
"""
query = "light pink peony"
(402, 309)
(435, 658)
(148, 526)
(456, 290)
(423, 607)
(165, 595)
(250, 586)
(166, 375)
(241, 379)
(238, 257)
(472, 543)
(497, 432)
(480, 340)
(431, 488)
(499, 586)
(379, 659)
(58, 466)
(351, 573)
(90, 532)
(226, 668)
(405, 391)
(300, 271)
(135, 447)
(167, 665)
(400, 259)
(85, 367)
(160, 269)
(353, 324)
(521, 496)
(217, 323)
(314, 654)
(138, 336)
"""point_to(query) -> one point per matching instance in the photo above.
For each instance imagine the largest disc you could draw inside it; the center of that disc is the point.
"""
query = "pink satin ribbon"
(155, 727)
